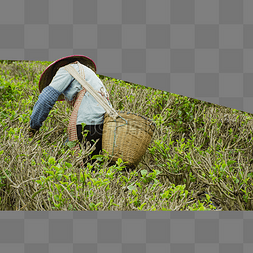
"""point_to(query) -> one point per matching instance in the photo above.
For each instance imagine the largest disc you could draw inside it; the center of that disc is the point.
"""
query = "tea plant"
(200, 157)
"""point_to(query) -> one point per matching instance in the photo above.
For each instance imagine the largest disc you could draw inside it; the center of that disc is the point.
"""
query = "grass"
(200, 157)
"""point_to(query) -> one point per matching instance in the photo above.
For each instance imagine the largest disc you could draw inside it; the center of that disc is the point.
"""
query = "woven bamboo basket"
(127, 137)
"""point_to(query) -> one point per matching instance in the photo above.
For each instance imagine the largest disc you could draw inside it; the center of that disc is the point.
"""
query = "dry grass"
(195, 157)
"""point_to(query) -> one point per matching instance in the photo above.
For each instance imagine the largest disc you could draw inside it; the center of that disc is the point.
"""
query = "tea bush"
(200, 157)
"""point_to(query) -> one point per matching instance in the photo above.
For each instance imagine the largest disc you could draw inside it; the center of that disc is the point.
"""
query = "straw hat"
(51, 70)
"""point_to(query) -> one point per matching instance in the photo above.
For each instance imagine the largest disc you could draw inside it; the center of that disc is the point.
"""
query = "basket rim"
(136, 114)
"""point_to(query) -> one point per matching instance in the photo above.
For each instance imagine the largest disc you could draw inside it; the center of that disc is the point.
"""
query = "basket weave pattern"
(127, 140)
(72, 133)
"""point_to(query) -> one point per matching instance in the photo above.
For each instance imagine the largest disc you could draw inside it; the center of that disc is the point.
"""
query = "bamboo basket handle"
(101, 100)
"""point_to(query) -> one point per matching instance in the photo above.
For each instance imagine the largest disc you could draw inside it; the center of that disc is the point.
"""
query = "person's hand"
(31, 132)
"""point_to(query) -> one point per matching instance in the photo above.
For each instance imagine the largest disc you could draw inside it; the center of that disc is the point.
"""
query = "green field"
(200, 157)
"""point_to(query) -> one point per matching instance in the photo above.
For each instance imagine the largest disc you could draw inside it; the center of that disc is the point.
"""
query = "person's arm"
(42, 107)
(47, 99)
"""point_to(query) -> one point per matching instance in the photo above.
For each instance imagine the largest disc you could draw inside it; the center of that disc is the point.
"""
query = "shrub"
(200, 157)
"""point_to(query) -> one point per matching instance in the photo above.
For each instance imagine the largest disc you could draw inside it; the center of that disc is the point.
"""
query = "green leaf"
(131, 188)
(39, 182)
(57, 168)
(51, 160)
(157, 172)
(92, 206)
(71, 144)
(56, 197)
(98, 157)
(57, 205)
(230, 162)
(208, 197)
(99, 204)
(250, 174)
(142, 205)
(58, 187)
(42, 189)
(50, 172)
(144, 172)
(119, 161)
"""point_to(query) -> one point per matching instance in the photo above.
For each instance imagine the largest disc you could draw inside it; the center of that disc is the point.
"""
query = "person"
(57, 84)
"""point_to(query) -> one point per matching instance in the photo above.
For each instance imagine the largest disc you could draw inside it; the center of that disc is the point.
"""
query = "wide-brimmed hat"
(51, 70)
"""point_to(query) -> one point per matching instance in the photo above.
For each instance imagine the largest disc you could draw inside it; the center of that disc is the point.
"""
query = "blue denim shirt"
(90, 111)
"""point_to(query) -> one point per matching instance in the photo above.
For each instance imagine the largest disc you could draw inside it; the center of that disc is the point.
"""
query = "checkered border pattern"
(196, 48)
(122, 231)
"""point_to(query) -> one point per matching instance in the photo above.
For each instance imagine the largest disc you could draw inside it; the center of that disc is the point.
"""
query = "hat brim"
(51, 70)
